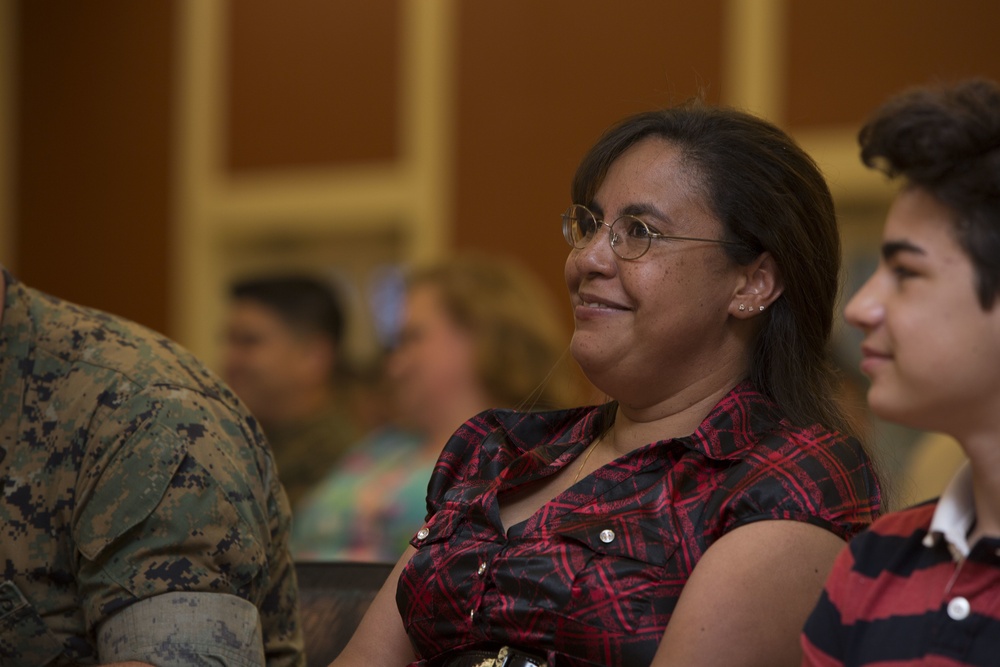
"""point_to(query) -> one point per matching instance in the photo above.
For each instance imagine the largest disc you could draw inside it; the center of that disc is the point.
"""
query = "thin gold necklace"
(579, 471)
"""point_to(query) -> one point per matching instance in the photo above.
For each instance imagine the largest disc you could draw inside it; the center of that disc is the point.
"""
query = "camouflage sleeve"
(177, 495)
(184, 630)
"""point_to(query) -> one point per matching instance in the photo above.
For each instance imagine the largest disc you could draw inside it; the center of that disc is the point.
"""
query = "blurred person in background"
(477, 333)
(282, 357)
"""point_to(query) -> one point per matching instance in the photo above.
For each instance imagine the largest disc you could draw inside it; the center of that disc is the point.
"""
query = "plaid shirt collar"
(735, 424)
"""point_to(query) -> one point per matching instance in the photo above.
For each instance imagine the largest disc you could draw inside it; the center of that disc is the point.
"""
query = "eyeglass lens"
(629, 236)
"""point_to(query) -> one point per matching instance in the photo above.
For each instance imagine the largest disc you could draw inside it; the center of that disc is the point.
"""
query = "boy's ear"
(759, 286)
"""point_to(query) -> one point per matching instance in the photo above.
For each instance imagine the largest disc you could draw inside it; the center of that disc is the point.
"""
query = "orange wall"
(312, 83)
(316, 84)
(848, 56)
(92, 184)
(537, 82)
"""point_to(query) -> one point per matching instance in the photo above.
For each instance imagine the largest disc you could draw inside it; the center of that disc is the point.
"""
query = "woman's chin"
(589, 358)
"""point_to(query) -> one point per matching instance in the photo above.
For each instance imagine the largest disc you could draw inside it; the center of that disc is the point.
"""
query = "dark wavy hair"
(771, 197)
(945, 140)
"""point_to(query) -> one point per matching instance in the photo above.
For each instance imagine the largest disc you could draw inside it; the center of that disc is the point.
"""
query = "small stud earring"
(761, 308)
(742, 307)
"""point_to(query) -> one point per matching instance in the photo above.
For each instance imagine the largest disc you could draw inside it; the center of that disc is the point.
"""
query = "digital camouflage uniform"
(141, 516)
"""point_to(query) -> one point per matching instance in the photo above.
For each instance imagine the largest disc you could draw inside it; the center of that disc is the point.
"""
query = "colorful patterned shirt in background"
(370, 506)
(911, 591)
(307, 450)
(593, 577)
(135, 486)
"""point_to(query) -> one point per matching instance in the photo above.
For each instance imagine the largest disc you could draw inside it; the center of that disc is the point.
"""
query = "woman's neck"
(676, 417)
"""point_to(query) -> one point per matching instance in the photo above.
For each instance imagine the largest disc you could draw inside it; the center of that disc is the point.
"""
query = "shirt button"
(958, 609)
(423, 533)
(607, 536)
(482, 569)
(472, 614)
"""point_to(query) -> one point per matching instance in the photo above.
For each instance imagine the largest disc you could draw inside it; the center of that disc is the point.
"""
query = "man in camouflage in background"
(141, 516)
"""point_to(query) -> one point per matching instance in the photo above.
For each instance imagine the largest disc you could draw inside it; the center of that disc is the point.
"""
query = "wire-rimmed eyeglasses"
(629, 236)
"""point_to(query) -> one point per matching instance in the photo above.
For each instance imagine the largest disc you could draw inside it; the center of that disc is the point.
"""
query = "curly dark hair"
(945, 140)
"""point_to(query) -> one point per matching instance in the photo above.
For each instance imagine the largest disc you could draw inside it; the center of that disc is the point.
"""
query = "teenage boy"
(922, 586)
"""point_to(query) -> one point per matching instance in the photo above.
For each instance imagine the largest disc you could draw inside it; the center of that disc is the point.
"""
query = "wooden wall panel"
(92, 166)
(846, 57)
(312, 83)
(536, 84)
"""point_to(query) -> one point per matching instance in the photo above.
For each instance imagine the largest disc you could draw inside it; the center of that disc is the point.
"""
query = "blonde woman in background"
(477, 333)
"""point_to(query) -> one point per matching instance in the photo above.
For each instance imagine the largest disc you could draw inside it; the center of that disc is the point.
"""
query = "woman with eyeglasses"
(691, 519)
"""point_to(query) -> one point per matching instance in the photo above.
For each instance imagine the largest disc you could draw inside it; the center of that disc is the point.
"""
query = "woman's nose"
(598, 254)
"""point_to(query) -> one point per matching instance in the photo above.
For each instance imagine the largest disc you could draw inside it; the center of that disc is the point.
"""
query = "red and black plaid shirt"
(594, 575)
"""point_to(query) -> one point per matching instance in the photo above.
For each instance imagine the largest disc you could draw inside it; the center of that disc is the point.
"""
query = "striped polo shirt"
(912, 591)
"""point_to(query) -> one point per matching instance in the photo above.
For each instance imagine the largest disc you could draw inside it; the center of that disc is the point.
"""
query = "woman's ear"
(759, 286)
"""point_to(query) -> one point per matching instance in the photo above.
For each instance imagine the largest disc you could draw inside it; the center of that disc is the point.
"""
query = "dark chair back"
(333, 596)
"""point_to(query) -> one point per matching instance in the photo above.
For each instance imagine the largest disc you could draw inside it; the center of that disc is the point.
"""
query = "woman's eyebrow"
(639, 210)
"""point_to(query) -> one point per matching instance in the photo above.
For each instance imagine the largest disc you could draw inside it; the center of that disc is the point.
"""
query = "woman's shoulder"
(814, 438)
(808, 472)
(814, 452)
(747, 424)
